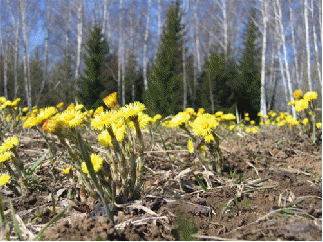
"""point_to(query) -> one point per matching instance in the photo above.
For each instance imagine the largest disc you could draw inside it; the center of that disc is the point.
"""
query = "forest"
(227, 55)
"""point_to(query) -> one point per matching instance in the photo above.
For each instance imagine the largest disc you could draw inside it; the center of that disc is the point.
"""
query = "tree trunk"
(293, 42)
(318, 65)
(23, 15)
(145, 59)
(282, 33)
(79, 37)
(308, 50)
(15, 22)
(45, 76)
(263, 59)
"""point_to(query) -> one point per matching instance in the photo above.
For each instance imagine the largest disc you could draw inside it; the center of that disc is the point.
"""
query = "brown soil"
(270, 189)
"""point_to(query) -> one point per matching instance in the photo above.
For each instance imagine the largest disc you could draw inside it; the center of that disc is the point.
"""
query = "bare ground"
(270, 189)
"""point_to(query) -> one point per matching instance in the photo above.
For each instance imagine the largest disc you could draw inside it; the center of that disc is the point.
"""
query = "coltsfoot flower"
(9, 143)
(132, 109)
(111, 100)
(52, 126)
(190, 146)
(97, 163)
(298, 94)
(309, 96)
(5, 156)
(67, 170)
(204, 124)
(301, 105)
(4, 179)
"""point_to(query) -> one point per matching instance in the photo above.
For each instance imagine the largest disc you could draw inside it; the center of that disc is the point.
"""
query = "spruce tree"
(248, 88)
(216, 83)
(164, 93)
(92, 83)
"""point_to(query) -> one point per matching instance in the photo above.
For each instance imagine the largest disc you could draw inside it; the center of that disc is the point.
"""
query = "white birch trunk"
(263, 109)
(23, 15)
(15, 22)
(197, 59)
(145, 59)
(308, 50)
(294, 45)
(120, 49)
(159, 24)
(46, 55)
(69, 27)
(318, 65)
(282, 34)
(79, 37)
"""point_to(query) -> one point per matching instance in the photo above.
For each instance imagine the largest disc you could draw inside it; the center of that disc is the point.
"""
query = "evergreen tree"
(217, 83)
(248, 88)
(134, 81)
(164, 93)
(92, 84)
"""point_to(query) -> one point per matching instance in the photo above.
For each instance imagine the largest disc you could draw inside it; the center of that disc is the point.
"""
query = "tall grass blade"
(57, 217)
(15, 223)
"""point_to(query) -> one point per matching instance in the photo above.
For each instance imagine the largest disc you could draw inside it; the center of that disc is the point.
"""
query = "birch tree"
(23, 17)
(286, 61)
(15, 23)
(308, 50)
(145, 59)
(263, 109)
(79, 37)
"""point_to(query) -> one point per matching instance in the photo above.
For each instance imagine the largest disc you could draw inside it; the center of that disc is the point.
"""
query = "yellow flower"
(201, 111)
(25, 109)
(2, 100)
(309, 96)
(79, 107)
(60, 105)
(252, 122)
(98, 111)
(4, 179)
(291, 103)
(228, 116)
(180, 119)
(261, 123)
(104, 138)
(318, 125)
(5, 156)
(254, 130)
(298, 94)
(209, 138)
(111, 100)
(305, 121)
(42, 116)
(71, 107)
(258, 114)
(52, 126)
(72, 118)
(105, 119)
(190, 146)
(9, 143)
(190, 110)
(301, 105)
(267, 122)
(232, 127)
(218, 114)
(247, 118)
(204, 124)
(132, 109)
(248, 130)
(67, 170)
(97, 163)
(246, 115)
